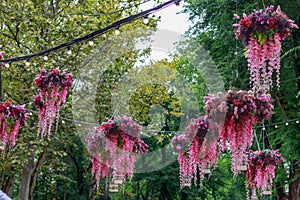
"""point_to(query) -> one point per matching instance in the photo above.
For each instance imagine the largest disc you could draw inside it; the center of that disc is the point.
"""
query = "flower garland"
(12, 118)
(241, 110)
(197, 150)
(114, 144)
(53, 87)
(261, 32)
(261, 169)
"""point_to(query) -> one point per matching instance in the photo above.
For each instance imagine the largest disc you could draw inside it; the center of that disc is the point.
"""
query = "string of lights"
(79, 123)
(89, 37)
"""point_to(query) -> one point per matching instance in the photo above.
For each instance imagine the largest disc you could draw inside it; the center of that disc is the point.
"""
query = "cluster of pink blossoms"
(261, 169)
(261, 32)
(197, 150)
(240, 110)
(114, 144)
(11, 119)
(53, 87)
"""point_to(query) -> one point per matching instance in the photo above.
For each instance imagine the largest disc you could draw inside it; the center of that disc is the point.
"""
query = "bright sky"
(171, 26)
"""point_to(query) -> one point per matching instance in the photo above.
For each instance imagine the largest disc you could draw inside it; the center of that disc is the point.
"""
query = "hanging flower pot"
(53, 87)
(113, 188)
(12, 118)
(114, 144)
(241, 110)
(197, 151)
(261, 32)
(261, 170)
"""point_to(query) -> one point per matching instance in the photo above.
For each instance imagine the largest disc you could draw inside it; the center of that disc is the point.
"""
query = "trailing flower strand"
(114, 144)
(53, 87)
(240, 110)
(12, 118)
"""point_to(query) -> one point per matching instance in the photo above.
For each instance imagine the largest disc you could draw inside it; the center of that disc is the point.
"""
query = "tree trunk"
(294, 187)
(184, 196)
(25, 178)
(9, 185)
(35, 173)
(165, 194)
(92, 188)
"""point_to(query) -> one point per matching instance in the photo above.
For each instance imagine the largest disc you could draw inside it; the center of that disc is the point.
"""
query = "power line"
(90, 36)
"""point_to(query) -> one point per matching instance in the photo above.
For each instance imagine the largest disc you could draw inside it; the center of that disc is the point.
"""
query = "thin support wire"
(254, 132)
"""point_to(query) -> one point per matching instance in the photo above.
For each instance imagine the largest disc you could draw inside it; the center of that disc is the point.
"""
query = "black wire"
(98, 32)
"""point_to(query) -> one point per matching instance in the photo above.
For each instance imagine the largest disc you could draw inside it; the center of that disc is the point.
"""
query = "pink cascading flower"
(115, 144)
(200, 155)
(53, 87)
(262, 32)
(261, 169)
(240, 110)
(12, 118)
(263, 61)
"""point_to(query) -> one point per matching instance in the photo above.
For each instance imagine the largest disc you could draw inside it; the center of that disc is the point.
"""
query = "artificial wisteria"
(261, 32)
(1, 57)
(240, 110)
(261, 169)
(53, 87)
(114, 144)
(12, 118)
(197, 150)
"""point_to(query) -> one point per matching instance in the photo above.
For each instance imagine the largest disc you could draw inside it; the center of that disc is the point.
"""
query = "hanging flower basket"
(12, 118)
(114, 144)
(261, 170)
(53, 87)
(261, 32)
(240, 110)
(197, 150)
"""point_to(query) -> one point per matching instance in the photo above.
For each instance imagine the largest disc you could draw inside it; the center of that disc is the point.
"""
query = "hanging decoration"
(261, 32)
(1, 57)
(12, 118)
(235, 114)
(261, 169)
(53, 87)
(197, 150)
(114, 144)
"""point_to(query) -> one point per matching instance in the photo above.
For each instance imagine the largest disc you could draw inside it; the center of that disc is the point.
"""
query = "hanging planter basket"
(12, 118)
(261, 170)
(197, 151)
(114, 145)
(240, 110)
(262, 32)
(53, 87)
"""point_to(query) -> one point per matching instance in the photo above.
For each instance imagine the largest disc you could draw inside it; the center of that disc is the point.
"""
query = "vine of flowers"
(241, 110)
(261, 169)
(197, 150)
(261, 32)
(114, 144)
(12, 118)
(53, 87)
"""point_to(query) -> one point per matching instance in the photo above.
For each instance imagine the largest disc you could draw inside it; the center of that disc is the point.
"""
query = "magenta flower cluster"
(261, 32)
(197, 150)
(12, 118)
(263, 24)
(114, 144)
(240, 110)
(53, 87)
(261, 169)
